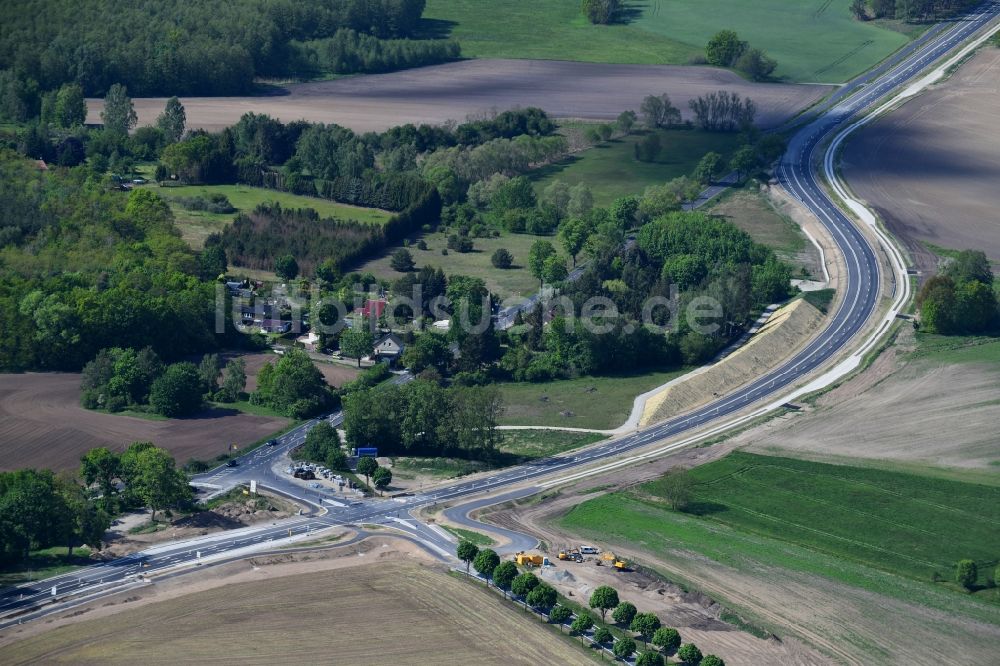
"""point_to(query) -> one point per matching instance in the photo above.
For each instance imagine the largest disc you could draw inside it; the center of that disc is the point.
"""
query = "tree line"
(909, 10)
(119, 378)
(83, 268)
(423, 418)
(660, 642)
(178, 48)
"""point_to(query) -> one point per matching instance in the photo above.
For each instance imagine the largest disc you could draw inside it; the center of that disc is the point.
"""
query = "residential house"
(275, 326)
(387, 348)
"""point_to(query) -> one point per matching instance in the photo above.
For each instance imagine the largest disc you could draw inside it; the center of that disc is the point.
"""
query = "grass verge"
(587, 402)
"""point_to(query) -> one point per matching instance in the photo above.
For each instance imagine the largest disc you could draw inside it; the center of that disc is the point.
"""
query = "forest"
(173, 47)
(84, 267)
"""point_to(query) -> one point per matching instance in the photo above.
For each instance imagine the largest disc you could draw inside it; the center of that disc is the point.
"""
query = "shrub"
(502, 258)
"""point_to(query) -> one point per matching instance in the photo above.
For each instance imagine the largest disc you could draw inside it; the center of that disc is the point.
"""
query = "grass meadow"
(812, 40)
(852, 524)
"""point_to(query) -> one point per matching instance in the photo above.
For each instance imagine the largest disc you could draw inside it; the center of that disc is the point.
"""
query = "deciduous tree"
(357, 342)
(604, 598)
(504, 575)
(172, 120)
(667, 639)
(367, 466)
(623, 613)
(543, 597)
(560, 614)
(178, 392)
(689, 654)
(645, 624)
(486, 563)
(724, 48)
(624, 648)
(467, 552)
(966, 573)
(119, 114)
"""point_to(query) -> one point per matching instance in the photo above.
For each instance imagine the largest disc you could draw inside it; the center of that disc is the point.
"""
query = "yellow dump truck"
(530, 559)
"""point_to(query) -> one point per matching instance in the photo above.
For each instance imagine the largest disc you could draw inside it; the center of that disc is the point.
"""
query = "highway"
(860, 290)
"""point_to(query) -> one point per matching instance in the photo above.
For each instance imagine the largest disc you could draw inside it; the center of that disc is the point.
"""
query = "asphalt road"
(861, 294)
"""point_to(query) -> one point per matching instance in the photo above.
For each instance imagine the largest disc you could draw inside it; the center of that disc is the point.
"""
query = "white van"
(589, 550)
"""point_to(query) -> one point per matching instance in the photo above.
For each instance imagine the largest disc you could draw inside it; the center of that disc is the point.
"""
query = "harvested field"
(387, 613)
(931, 167)
(786, 330)
(43, 425)
(455, 90)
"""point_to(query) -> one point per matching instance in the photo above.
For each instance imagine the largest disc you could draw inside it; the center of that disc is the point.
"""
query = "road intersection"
(861, 294)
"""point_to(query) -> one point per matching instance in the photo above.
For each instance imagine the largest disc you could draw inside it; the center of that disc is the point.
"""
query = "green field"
(509, 283)
(196, 226)
(752, 212)
(600, 403)
(848, 523)
(812, 40)
(516, 446)
(957, 348)
(611, 170)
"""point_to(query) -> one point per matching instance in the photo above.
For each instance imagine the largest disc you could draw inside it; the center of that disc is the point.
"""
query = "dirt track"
(43, 425)
(931, 168)
(455, 90)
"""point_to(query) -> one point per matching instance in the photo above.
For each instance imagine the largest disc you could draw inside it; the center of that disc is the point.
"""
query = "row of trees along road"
(541, 596)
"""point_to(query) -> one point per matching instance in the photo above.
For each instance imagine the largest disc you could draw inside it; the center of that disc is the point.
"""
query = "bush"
(178, 392)
(502, 258)
(402, 261)
(460, 243)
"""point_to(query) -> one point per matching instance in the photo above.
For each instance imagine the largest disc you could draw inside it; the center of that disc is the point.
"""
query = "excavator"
(573, 555)
(613, 561)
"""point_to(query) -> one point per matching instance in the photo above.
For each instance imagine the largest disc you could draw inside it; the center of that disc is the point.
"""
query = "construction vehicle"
(531, 560)
(571, 555)
(613, 561)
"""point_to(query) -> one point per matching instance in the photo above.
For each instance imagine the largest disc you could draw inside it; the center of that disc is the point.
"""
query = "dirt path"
(457, 90)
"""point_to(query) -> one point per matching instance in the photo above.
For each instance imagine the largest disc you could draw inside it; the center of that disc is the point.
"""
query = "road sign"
(53, 590)
(253, 486)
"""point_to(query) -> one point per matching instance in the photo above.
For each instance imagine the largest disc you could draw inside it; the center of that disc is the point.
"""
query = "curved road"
(860, 298)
